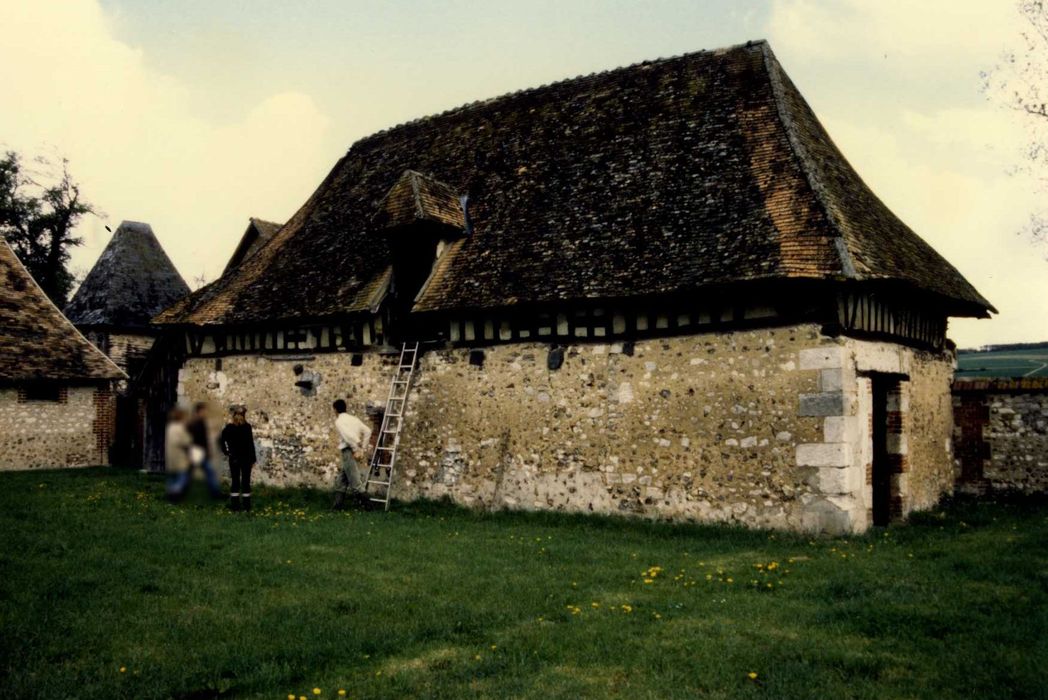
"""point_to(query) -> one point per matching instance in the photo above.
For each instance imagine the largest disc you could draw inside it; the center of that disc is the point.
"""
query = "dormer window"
(421, 217)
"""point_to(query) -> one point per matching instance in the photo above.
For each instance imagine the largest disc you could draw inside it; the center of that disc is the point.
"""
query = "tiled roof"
(415, 197)
(662, 177)
(131, 282)
(38, 343)
(256, 235)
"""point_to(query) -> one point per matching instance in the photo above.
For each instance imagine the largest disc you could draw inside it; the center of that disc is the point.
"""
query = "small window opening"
(43, 392)
(555, 359)
(476, 358)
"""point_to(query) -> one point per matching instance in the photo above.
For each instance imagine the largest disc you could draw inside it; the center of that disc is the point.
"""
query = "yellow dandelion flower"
(317, 691)
(494, 647)
(476, 657)
(291, 696)
(752, 675)
(341, 693)
(123, 669)
(731, 580)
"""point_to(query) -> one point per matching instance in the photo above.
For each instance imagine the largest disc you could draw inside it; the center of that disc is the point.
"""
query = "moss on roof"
(663, 177)
(38, 343)
(131, 282)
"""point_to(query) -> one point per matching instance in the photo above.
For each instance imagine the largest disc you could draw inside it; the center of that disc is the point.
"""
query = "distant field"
(1004, 363)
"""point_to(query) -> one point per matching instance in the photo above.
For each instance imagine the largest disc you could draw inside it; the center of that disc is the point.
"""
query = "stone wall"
(124, 348)
(918, 431)
(74, 431)
(761, 427)
(1002, 434)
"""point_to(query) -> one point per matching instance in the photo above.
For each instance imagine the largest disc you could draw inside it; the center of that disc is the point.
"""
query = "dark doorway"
(882, 468)
(127, 443)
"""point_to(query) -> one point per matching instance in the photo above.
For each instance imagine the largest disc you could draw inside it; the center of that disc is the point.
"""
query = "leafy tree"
(1020, 82)
(38, 221)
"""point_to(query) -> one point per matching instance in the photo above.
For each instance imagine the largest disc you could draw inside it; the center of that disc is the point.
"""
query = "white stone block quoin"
(823, 454)
(837, 481)
(827, 357)
(841, 429)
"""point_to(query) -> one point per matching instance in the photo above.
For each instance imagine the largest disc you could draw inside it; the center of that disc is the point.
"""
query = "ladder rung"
(380, 483)
(387, 449)
(379, 500)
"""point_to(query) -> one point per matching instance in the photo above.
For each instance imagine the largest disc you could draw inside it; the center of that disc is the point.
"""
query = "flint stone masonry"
(840, 464)
(1002, 434)
(73, 432)
(702, 427)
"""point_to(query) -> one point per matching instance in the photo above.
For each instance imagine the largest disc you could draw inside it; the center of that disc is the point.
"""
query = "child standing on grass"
(238, 444)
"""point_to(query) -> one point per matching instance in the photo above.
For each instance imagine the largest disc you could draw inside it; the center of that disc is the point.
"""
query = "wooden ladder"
(384, 456)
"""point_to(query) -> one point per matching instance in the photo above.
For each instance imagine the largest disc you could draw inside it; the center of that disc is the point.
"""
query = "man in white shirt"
(353, 440)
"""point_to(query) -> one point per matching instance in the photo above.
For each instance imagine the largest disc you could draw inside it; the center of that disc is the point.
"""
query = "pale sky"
(194, 115)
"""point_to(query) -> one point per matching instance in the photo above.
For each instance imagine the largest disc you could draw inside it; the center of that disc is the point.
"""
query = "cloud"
(918, 130)
(139, 145)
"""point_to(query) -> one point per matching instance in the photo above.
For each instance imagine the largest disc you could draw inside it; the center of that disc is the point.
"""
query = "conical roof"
(38, 343)
(132, 281)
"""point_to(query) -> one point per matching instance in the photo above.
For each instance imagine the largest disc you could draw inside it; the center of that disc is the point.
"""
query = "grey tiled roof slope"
(415, 197)
(257, 234)
(662, 177)
(37, 342)
(131, 282)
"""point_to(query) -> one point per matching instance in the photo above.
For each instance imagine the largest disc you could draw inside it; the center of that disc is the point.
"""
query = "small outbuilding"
(56, 388)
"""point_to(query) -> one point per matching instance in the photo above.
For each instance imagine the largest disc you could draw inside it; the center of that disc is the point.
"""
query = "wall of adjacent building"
(1002, 434)
(74, 431)
(764, 427)
(125, 347)
(121, 347)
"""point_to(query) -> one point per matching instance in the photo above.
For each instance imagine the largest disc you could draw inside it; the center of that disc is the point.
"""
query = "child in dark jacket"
(238, 443)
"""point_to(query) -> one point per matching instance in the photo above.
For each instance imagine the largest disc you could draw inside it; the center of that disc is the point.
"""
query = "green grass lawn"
(107, 591)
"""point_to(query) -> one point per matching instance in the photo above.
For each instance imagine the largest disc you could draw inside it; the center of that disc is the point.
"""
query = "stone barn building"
(56, 388)
(658, 290)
